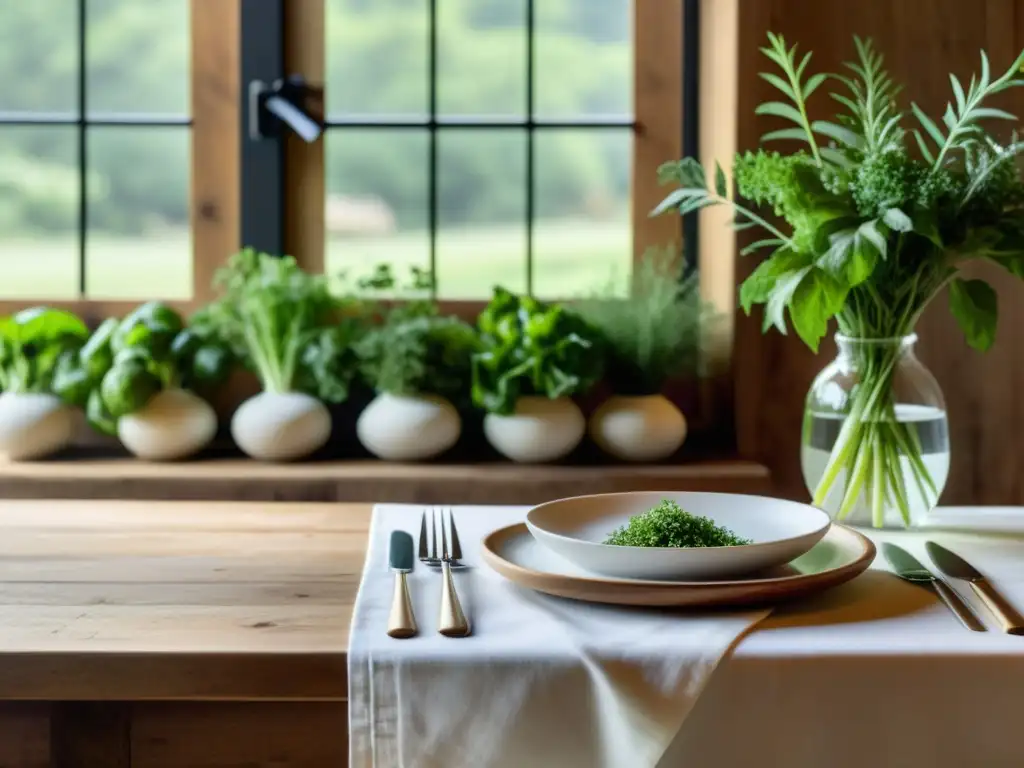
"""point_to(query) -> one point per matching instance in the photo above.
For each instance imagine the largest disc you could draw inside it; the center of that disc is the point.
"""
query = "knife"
(956, 567)
(401, 621)
(909, 568)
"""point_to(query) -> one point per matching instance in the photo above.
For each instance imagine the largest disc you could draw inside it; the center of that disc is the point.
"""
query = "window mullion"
(83, 149)
(531, 39)
(263, 159)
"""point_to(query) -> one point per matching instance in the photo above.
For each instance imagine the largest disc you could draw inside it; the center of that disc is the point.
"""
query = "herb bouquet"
(880, 210)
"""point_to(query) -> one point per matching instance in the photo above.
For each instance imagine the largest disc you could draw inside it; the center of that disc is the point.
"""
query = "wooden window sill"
(227, 479)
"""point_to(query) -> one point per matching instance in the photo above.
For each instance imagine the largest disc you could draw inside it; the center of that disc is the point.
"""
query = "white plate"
(780, 531)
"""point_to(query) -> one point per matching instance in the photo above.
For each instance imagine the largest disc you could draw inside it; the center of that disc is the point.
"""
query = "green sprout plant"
(654, 335)
(284, 325)
(879, 208)
(412, 350)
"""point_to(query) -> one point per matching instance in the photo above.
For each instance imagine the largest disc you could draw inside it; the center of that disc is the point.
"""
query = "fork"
(428, 552)
(452, 622)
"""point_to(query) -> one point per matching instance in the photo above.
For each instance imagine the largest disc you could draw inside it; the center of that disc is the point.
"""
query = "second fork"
(452, 622)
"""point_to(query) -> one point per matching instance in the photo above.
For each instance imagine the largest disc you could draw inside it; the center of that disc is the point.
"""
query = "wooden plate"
(837, 558)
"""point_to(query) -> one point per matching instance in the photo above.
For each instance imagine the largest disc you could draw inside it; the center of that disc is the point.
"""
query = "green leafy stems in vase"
(881, 209)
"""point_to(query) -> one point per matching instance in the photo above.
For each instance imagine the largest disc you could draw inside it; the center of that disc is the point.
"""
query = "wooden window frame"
(215, 136)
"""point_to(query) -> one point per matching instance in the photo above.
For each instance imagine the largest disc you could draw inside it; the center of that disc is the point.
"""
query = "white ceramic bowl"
(780, 531)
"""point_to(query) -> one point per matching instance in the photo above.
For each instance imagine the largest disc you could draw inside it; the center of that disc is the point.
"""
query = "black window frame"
(263, 159)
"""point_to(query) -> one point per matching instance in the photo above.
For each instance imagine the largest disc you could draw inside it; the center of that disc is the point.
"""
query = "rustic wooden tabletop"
(108, 600)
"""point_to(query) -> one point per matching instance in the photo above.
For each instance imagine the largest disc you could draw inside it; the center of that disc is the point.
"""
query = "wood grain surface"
(364, 481)
(241, 735)
(104, 600)
(24, 735)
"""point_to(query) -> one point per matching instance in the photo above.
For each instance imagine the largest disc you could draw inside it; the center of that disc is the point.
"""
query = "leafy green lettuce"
(33, 343)
(284, 324)
(531, 348)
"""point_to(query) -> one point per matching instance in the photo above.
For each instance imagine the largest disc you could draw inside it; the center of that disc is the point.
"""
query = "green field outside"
(571, 258)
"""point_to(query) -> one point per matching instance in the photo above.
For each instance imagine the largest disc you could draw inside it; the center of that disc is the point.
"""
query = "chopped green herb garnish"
(667, 525)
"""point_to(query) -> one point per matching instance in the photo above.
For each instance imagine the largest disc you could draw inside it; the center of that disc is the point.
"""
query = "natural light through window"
(452, 171)
(122, 118)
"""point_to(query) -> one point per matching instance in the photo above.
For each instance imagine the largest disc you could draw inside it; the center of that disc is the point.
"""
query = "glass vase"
(875, 445)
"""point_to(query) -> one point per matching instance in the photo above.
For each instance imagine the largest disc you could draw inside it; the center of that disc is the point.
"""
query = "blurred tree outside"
(138, 63)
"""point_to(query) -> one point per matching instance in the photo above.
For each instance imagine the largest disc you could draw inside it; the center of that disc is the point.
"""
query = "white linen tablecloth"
(541, 682)
(875, 673)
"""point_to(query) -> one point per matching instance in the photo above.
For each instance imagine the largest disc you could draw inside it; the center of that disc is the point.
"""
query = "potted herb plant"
(284, 325)
(535, 356)
(418, 363)
(648, 338)
(34, 422)
(138, 379)
(881, 209)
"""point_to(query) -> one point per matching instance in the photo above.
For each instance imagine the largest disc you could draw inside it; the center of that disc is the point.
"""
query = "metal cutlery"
(909, 568)
(954, 566)
(428, 553)
(401, 620)
(452, 622)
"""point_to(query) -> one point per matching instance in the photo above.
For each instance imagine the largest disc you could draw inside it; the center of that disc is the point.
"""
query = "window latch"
(286, 104)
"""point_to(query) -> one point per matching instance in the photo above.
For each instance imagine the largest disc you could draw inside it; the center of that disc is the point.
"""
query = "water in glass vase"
(928, 423)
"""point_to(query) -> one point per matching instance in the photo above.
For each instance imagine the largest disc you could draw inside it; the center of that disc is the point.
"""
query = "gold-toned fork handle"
(959, 608)
(1009, 617)
(453, 621)
(401, 622)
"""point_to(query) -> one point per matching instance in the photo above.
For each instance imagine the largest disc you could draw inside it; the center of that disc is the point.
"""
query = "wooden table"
(176, 635)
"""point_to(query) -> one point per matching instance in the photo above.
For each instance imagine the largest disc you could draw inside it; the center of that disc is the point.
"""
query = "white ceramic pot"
(174, 425)
(33, 425)
(645, 428)
(540, 430)
(399, 428)
(281, 426)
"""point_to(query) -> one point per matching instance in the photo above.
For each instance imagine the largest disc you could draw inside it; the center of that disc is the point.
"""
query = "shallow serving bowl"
(779, 530)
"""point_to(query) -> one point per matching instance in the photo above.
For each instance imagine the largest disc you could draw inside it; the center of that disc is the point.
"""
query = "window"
(96, 140)
(509, 142)
(488, 141)
(495, 141)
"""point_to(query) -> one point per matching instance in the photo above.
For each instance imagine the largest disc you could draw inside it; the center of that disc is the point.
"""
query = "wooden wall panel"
(24, 735)
(244, 735)
(923, 41)
(90, 735)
